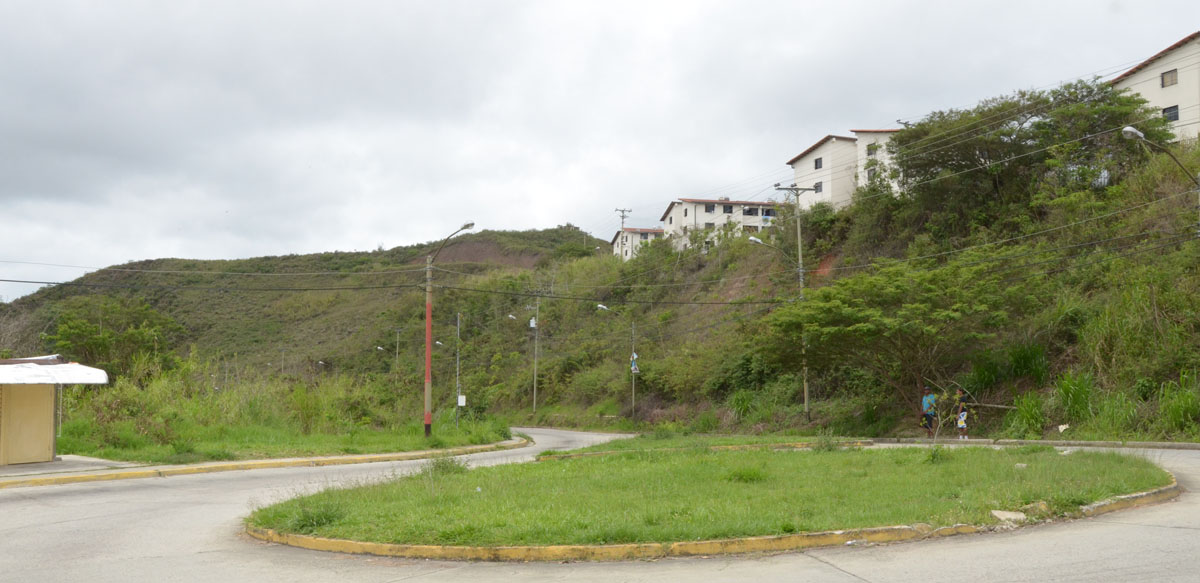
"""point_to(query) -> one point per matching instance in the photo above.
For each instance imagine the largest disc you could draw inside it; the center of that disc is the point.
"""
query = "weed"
(746, 475)
(1028, 420)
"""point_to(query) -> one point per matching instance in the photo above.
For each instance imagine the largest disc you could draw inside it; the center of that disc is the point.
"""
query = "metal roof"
(49, 370)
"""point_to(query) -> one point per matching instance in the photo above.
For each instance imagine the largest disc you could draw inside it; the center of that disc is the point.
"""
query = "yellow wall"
(26, 424)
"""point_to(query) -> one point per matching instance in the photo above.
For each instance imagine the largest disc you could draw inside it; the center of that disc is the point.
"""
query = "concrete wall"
(866, 161)
(26, 424)
(685, 217)
(1185, 94)
(837, 174)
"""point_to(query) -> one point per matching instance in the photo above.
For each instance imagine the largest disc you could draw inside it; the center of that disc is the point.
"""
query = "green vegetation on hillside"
(1021, 249)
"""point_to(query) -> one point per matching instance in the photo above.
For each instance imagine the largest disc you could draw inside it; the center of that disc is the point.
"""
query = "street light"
(429, 328)
(1132, 133)
(633, 370)
(796, 190)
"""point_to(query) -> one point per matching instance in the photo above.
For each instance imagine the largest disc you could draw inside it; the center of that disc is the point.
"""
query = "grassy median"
(661, 496)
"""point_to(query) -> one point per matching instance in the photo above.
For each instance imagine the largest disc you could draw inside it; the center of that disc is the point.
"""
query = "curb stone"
(756, 544)
(165, 472)
(743, 447)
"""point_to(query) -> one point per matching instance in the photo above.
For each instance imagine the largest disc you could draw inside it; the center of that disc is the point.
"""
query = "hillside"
(1021, 250)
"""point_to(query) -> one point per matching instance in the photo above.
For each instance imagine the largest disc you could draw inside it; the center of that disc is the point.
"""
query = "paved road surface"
(188, 528)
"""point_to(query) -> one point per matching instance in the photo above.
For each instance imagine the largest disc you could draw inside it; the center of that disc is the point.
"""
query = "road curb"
(135, 474)
(1168, 492)
(737, 447)
(1049, 442)
(622, 552)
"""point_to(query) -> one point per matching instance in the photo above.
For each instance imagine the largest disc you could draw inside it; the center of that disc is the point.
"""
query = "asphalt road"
(188, 528)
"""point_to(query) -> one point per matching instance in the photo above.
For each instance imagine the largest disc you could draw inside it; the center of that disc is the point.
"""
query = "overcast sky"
(223, 130)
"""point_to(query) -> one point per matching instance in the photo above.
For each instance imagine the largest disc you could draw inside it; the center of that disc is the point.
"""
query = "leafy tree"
(112, 333)
(903, 324)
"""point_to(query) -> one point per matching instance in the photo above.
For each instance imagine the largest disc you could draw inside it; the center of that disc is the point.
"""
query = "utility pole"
(537, 306)
(457, 366)
(796, 190)
(624, 242)
(633, 371)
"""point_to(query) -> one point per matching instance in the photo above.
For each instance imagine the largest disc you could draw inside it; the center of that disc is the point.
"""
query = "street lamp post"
(429, 328)
(1133, 133)
(796, 190)
(633, 370)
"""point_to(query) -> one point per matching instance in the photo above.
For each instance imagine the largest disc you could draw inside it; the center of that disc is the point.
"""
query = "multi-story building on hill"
(872, 155)
(828, 167)
(687, 215)
(1170, 81)
(626, 242)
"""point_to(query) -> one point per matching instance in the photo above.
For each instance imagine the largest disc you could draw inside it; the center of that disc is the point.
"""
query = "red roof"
(1156, 57)
(818, 144)
(873, 131)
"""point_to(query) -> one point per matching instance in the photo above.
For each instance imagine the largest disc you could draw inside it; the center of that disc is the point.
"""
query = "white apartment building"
(627, 241)
(1170, 81)
(872, 154)
(830, 168)
(686, 215)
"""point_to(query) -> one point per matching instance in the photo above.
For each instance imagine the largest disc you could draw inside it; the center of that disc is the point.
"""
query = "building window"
(871, 174)
(768, 212)
(750, 211)
(872, 149)
(670, 220)
(685, 212)
(709, 226)
(627, 253)
(817, 187)
(1170, 78)
(645, 236)
(817, 164)
(1171, 113)
(728, 208)
(710, 208)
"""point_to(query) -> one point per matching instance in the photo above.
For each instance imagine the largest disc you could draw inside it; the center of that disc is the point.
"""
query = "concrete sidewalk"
(72, 469)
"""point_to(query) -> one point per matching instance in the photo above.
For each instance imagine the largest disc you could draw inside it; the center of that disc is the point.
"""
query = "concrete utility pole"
(537, 307)
(429, 328)
(457, 366)
(796, 190)
(624, 243)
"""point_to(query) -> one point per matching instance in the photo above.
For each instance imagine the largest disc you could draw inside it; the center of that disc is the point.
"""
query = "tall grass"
(183, 416)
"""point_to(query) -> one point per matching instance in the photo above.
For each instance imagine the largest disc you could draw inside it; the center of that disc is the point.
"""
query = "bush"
(1074, 393)
(1028, 420)
(1178, 406)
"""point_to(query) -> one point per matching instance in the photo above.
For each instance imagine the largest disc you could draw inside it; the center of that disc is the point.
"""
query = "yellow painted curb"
(742, 447)
(1168, 492)
(755, 544)
(622, 552)
(257, 465)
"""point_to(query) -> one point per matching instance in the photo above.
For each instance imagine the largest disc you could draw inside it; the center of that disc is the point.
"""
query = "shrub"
(1074, 392)
(1028, 420)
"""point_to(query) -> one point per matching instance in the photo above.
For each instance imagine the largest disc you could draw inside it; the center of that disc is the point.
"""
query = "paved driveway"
(188, 528)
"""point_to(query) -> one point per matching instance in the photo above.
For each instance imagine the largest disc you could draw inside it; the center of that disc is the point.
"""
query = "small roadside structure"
(29, 407)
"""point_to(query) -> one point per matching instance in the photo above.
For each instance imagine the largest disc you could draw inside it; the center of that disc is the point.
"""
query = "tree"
(111, 333)
(904, 324)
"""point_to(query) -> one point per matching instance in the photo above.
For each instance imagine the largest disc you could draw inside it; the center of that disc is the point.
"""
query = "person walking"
(961, 413)
(928, 411)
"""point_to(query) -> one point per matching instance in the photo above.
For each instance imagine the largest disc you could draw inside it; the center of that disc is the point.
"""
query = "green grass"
(660, 496)
(197, 444)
